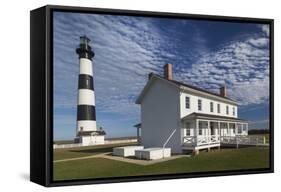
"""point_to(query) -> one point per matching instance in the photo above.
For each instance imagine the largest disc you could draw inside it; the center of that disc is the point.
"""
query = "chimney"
(223, 91)
(168, 71)
(150, 75)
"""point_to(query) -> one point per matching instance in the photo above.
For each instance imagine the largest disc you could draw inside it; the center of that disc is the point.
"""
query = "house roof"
(137, 125)
(208, 116)
(179, 84)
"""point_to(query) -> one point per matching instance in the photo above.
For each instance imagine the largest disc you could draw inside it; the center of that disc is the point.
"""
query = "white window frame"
(239, 128)
(199, 104)
(187, 129)
(244, 127)
(227, 110)
(187, 102)
(211, 106)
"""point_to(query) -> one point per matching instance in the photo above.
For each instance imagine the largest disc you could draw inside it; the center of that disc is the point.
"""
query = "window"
(232, 127)
(200, 128)
(239, 128)
(223, 128)
(227, 110)
(211, 106)
(244, 127)
(219, 108)
(187, 128)
(233, 111)
(202, 125)
(199, 105)
(187, 102)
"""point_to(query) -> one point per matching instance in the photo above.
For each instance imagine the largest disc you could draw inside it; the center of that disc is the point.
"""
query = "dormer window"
(219, 108)
(233, 111)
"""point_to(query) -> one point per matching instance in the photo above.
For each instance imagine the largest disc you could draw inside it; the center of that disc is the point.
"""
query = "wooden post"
(219, 126)
(196, 131)
(209, 130)
(235, 129)
(195, 152)
(228, 133)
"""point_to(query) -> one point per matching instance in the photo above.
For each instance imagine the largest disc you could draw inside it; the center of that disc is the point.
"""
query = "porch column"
(219, 126)
(228, 129)
(196, 131)
(228, 132)
(209, 132)
(235, 129)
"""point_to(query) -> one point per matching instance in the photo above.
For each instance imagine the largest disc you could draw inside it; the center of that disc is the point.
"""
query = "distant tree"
(258, 131)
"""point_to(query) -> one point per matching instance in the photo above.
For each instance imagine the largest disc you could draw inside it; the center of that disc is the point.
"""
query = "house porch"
(209, 131)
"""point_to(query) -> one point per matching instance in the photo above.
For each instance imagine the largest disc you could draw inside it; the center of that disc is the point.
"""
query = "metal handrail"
(166, 142)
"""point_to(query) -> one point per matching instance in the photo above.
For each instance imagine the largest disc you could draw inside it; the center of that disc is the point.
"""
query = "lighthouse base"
(90, 140)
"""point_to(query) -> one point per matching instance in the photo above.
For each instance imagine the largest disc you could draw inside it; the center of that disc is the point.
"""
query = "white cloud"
(243, 66)
(132, 48)
(265, 29)
(123, 57)
(259, 42)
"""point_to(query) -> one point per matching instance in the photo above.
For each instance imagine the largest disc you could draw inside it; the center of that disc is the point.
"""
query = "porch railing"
(235, 140)
(245, 140)
(201, 140)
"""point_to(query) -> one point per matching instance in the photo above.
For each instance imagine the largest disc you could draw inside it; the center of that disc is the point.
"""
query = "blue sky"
(207, 54)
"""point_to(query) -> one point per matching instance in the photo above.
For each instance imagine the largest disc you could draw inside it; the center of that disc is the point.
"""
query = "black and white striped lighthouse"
(86, 111)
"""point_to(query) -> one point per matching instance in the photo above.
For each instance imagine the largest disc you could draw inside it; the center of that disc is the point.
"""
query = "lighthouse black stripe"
(86, 55)
(85, 82)
(86, 112)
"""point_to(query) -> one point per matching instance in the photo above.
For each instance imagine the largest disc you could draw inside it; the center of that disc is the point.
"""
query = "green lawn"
(226, 159)
(84, 151)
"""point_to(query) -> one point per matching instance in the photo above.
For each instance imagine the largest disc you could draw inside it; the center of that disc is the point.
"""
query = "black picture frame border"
(41, 140)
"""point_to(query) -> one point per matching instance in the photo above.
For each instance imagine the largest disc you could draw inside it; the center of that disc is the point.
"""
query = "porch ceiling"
(212, 117)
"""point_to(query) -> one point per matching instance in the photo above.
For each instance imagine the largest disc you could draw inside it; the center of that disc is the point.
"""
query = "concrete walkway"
(80, 158)
(109, 155)
(140, 161)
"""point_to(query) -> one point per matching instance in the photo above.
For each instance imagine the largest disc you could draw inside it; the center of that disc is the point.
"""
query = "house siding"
(205, 106)
(160, 115)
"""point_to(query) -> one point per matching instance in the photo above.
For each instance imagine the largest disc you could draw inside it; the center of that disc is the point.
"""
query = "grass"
(226, 159)
(84, 151)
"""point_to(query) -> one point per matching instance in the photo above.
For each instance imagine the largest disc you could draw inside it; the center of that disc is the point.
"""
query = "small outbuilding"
(153, 153)
(126, 151)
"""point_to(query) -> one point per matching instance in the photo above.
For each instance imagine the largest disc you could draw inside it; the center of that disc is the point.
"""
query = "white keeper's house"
(200, 119)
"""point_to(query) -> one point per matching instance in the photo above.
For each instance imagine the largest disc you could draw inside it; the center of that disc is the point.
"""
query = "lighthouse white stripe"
(86, 97)
(86, 66)
(86, 125)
